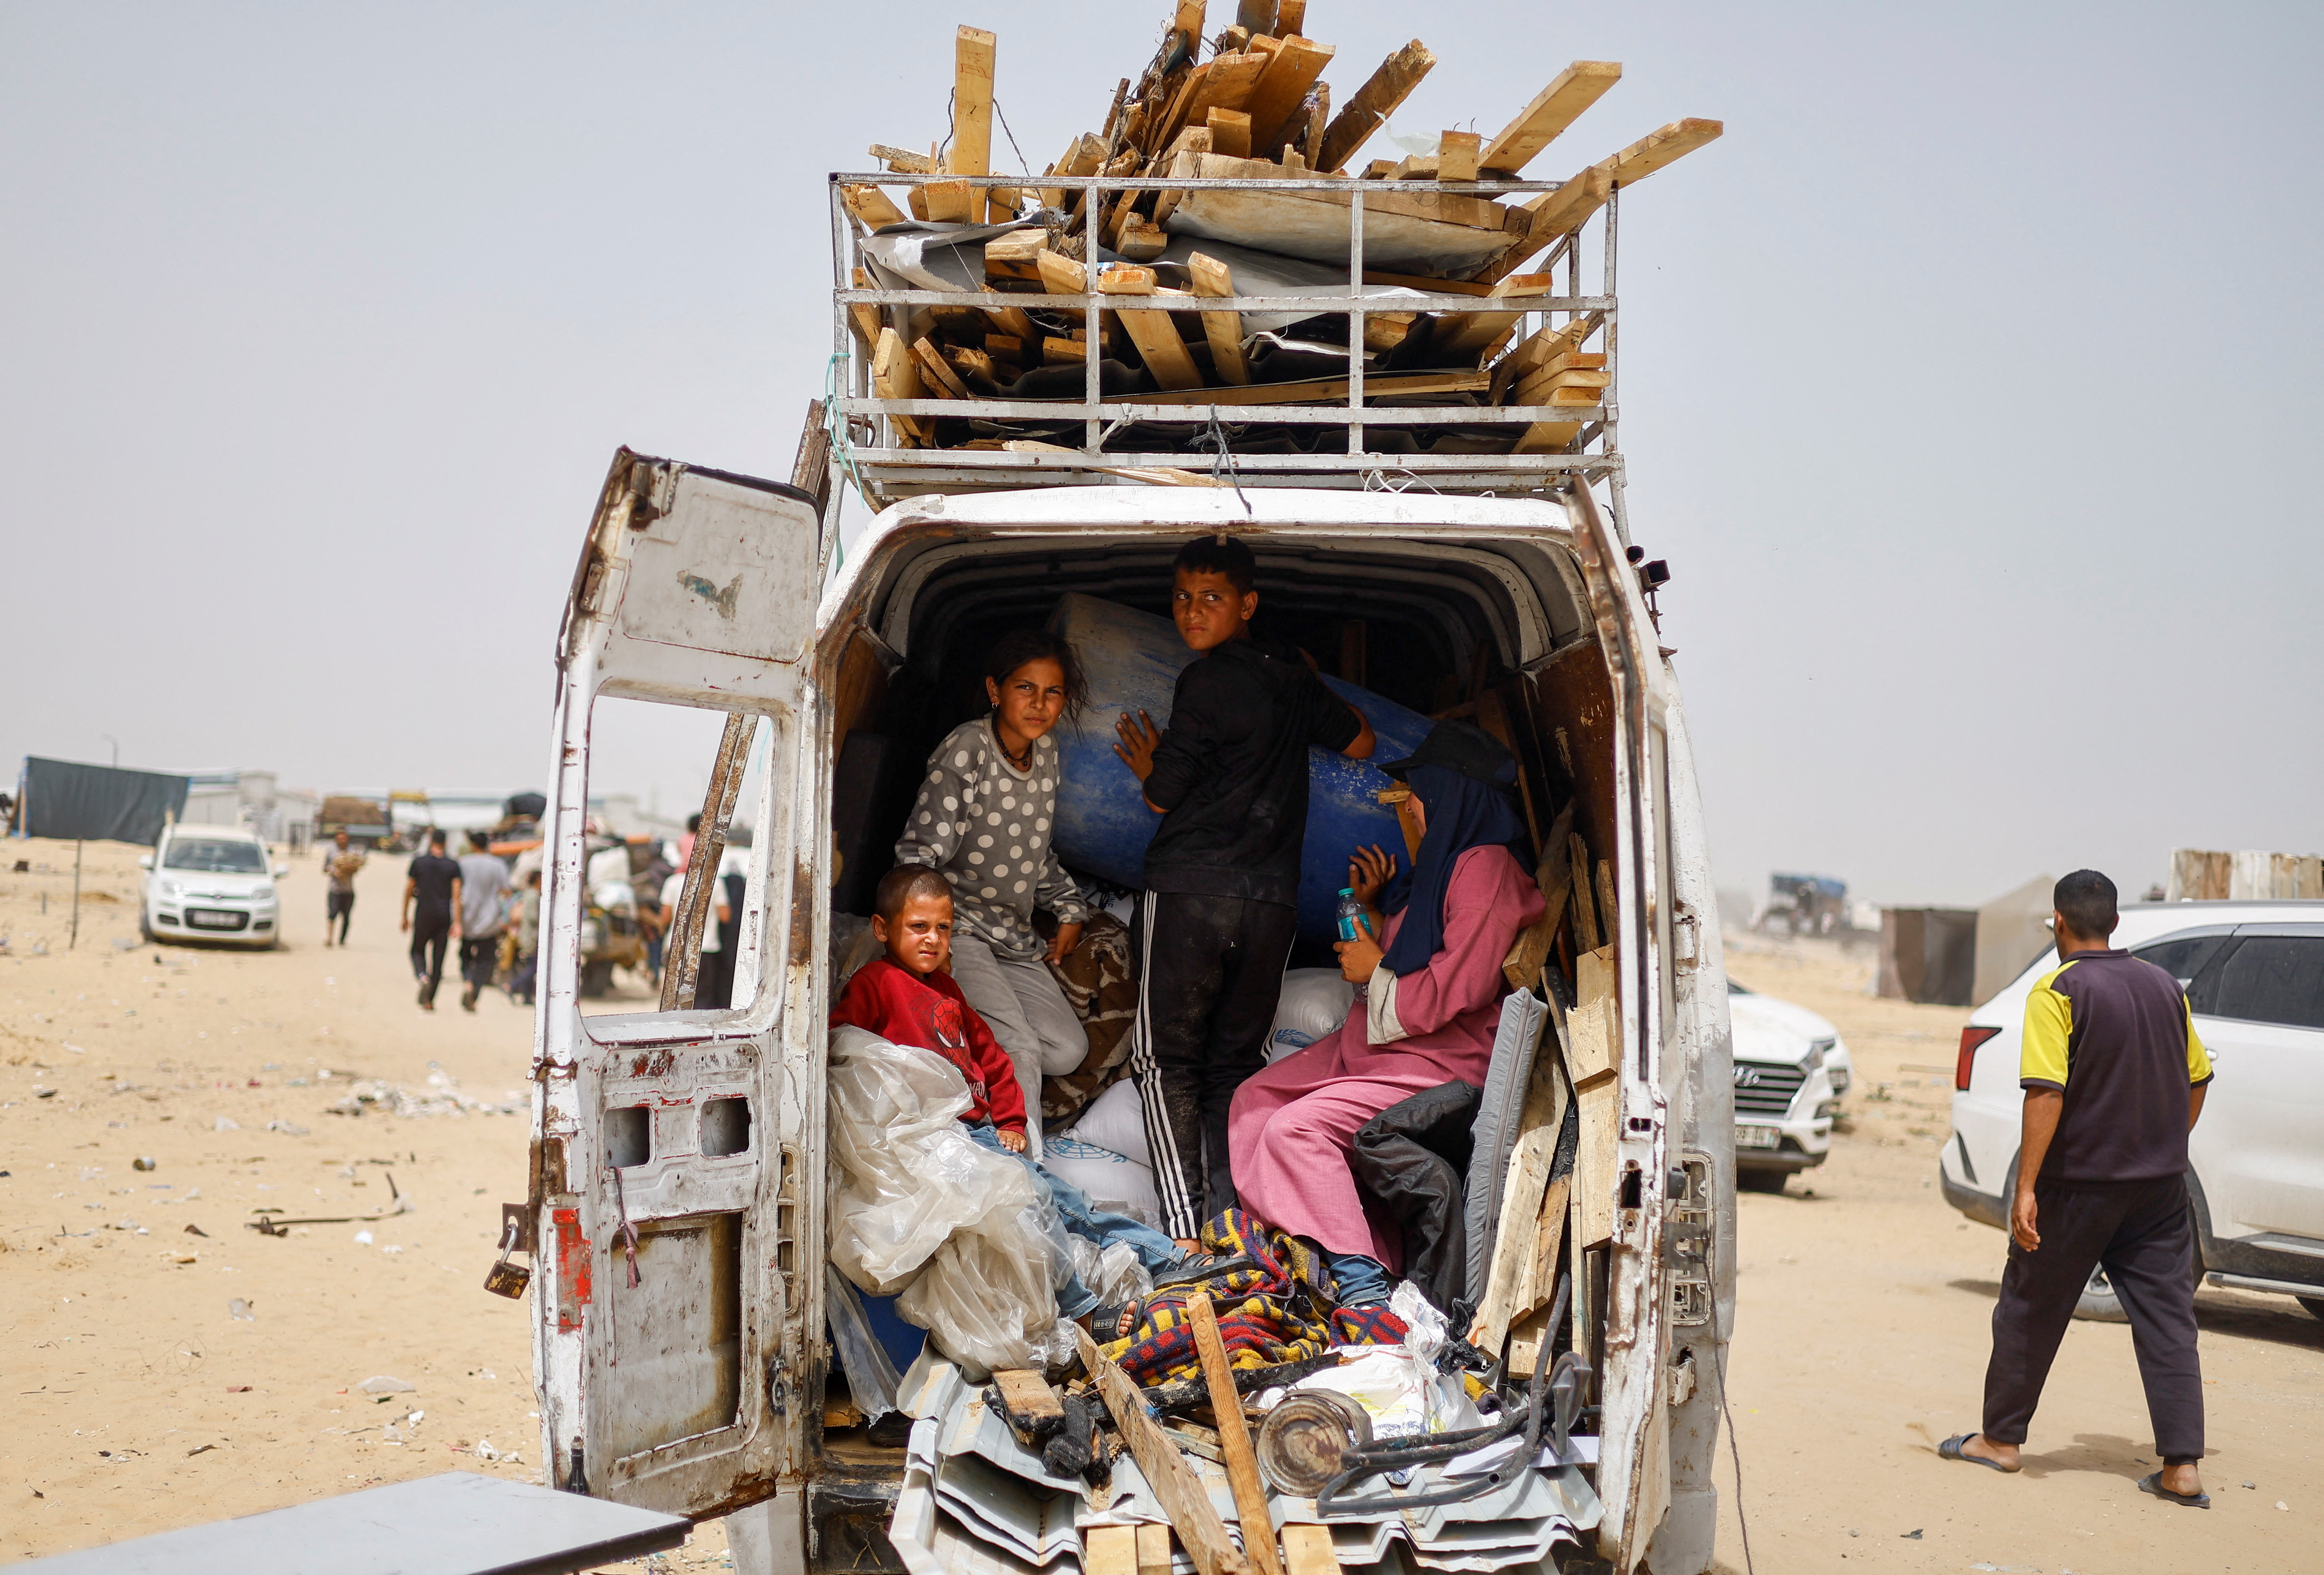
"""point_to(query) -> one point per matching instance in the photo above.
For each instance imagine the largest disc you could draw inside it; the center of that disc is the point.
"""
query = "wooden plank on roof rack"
(973, 54)
(895, 376)
(947, 382)
(862, 317)
(1660, 150)
(1318, 390)
(1223, 330)
(1083, 158)
(1457, 155)
(1374, 102)
(1552, 109)
(1549, 215)
(1154, 333)
(1277, 96)
(1461, 335)
(1229, 83)
(1230, 131)
(871, 205)
(902, 160)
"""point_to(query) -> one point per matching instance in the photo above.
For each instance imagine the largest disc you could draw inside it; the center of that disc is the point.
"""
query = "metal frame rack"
(885, 469)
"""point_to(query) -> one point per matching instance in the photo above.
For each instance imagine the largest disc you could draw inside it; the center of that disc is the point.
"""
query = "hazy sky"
(1964, 381)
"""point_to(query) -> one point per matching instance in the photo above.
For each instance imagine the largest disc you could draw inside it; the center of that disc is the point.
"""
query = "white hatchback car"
(2254, 973)
(210, 883)
(1791, 1070)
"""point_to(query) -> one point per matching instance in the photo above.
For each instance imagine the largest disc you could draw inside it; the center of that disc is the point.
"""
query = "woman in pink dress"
(1425, 1016)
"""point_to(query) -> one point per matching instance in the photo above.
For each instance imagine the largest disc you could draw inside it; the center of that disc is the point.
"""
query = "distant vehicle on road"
(1804, 905)
(1791, 1070)
(210, 883)
(2254, 973)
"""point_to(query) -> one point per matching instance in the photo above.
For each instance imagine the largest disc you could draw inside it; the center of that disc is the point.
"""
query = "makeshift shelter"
(1929, 954)
(2011, 930)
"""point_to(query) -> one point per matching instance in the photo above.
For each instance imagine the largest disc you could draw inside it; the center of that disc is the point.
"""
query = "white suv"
(1790, 1071)
(2254, 973)
(211, 883)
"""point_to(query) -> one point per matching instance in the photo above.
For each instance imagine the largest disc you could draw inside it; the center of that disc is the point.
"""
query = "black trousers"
(2140, 1231)
(430, 934)
(480, 959)
(338, 907)
(1210, 970)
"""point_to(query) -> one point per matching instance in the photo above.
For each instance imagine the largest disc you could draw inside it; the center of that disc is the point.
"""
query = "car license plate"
(1757, 1137)
(201, 920)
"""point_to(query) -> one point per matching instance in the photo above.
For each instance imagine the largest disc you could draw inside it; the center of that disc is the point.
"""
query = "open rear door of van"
(1634, 1476)
(673, 1214)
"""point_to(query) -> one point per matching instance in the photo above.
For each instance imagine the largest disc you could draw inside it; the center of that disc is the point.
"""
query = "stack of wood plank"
(1251, 101)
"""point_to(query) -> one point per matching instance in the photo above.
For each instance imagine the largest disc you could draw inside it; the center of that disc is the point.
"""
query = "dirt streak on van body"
(1522, 612)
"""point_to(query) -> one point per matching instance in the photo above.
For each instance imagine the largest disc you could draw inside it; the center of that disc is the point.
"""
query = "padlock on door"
(506, 1278)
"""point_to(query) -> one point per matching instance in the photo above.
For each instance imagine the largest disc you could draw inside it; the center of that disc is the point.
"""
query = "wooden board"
(1596, 1162)
(1595, 1023)
(1223, 330)
(1275, 97)
(864, 317)
(1083, 158)
(871, 205)
(1320, 391)
(1026, 1394)
(1463, 335)
(1155, 333)
(1369, 109)
(1016, 255)
(1228, 85)
(1060, 274)
(1558, 344)
(895, 376)
(1230, 131)
(1404, 231)
(1552, 109)
(1177, 1489)
(1234, 1437)
(1523, 1188)
(902, 160)
(1153, 1549)
(974, 52)
(1457, 153)
(944, 383)
(1660, 150)
(1307, 1550)
(1546, 436)
(1109, 1549)
(1585, 907)
(1531, 1330)
(951, 202)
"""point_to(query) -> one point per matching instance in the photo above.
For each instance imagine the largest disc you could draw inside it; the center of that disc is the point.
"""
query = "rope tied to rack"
(1214, 438)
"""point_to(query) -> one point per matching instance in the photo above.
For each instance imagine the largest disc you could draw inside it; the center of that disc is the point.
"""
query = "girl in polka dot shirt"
(985, 820)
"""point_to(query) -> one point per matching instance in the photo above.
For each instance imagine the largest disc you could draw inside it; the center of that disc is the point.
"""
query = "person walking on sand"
(431, 914)
(483, 912)
(340, 862)
(2114, 1078)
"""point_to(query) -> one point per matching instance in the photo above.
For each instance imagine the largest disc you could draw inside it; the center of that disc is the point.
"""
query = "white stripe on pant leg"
(1169, 1173)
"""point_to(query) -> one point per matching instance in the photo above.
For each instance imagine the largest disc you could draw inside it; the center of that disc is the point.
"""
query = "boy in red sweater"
(907, 998)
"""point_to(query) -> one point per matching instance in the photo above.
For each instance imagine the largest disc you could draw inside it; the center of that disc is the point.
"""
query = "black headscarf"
(1463, 813)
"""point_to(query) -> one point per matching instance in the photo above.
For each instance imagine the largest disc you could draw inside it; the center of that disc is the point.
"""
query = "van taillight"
(1971, 1038)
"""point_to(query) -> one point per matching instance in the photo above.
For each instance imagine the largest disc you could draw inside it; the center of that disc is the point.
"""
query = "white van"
(691, 1143)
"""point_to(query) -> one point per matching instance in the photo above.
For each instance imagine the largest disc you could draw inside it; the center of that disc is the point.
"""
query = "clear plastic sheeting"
(962, 1236)
(1113, 1274)
(871, 1377)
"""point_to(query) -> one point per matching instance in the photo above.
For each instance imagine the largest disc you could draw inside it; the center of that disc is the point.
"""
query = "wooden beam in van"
(1177, 1489)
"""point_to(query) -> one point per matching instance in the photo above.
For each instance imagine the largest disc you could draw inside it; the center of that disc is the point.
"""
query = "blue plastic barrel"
(1133, 661)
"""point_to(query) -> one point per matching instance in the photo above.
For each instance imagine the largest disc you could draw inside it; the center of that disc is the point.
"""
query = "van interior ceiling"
(1496, 635)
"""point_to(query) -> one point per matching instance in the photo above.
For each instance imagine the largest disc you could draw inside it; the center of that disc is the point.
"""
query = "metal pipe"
(1356, 321)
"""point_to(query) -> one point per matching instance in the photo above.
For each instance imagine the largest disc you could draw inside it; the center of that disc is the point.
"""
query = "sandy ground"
(135, 1398)
(1863, 1323)
(139, 1401)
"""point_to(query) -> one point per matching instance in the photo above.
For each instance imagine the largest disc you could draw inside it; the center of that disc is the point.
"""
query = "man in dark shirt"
(2114, 1078)
(431, 914)
(1214, 928)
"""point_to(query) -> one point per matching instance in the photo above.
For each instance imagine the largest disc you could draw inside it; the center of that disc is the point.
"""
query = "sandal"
(2153, 1483)
(1951, 1450)
(1202, 1266)
(1107, 1324)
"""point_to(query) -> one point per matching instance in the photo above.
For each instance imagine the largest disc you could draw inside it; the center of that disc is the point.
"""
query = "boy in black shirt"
(1213, 933)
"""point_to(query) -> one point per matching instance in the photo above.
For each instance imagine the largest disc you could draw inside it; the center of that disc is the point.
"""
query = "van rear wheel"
(2099, 1304)
(2315, 1305)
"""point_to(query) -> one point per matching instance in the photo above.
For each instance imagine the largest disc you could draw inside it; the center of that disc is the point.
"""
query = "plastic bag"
(966, 1235)
(1314, 1003)
(1399, 1385)
(1113, 1275)
(906, 1175)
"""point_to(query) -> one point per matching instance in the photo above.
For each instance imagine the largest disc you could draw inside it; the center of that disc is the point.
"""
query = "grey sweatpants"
(1028, 1012)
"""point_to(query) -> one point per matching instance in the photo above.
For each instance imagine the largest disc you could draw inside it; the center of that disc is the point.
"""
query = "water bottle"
(1352, 922)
